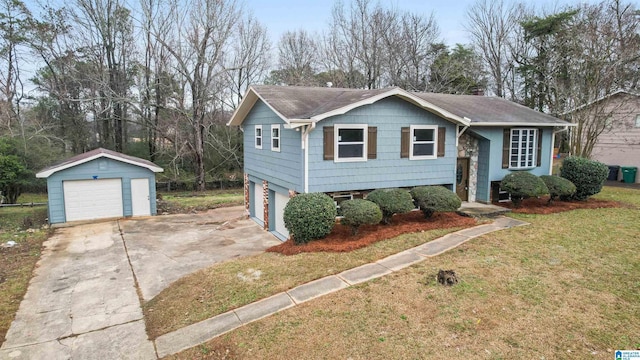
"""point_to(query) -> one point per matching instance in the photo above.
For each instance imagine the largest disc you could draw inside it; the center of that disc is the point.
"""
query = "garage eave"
(96, 154)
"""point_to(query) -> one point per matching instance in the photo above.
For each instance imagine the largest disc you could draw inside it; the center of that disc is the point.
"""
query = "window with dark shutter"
(506, 145)
(442, 134)
(405, 142)
(328, 142)
(372, 142)
(539, 157)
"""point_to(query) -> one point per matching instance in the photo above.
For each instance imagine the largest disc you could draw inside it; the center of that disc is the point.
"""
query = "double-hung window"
(523, 146)
(258, 137)
(275, 138)
(350, 142)
(424, 139)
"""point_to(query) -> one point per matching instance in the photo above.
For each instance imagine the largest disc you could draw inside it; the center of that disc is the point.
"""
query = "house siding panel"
(283, 168)
(388, 170)
(495, 170)
(103, 168)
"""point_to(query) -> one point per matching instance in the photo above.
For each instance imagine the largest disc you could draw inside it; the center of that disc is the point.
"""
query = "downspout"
(553, 141)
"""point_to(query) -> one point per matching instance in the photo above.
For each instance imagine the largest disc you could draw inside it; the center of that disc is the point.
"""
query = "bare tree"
(491, 25)
(297, 59)
(249, 60)
(201, 35)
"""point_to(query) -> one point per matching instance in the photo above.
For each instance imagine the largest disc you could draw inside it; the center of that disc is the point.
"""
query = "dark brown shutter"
(405, 142)
(442, 134)
(539, 157)
(328, 142)
(372, 143)
(506, 144)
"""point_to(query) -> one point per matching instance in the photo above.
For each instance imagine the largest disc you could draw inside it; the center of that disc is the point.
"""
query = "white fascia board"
(46, 174)
(398, 92)
(505, 124)
(247, 104)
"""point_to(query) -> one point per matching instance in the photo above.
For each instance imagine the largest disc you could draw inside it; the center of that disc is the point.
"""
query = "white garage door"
(281, 202)
(92, 199)
(258, 203)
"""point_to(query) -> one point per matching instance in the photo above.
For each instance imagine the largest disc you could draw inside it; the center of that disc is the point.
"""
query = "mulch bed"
(541, 206)
(341, 240)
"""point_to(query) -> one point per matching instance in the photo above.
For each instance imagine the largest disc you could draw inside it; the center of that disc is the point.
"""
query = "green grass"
(220, 288)
(564, 287)
(32, 198)
(177, 202)
(17, 262)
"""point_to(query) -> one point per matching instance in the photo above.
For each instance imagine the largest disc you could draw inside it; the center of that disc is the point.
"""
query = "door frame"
(135, 194)
(465, 180)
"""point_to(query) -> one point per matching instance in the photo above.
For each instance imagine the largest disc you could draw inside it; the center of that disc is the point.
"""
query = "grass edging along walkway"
(203, 331)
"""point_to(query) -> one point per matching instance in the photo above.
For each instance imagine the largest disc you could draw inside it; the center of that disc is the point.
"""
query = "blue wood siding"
(388, 170)
(103, 168)
(495, 134)
(283, 168)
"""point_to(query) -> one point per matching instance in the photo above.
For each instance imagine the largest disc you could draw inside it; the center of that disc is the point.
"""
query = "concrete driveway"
(163, 249)
(82, 302)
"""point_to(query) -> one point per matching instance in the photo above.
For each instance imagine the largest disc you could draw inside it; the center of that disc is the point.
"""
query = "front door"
(462, 179)
(140, 198)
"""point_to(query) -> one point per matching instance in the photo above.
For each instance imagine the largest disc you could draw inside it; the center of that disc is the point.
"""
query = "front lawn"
(565, 287)
(185, 202)
(22, 225)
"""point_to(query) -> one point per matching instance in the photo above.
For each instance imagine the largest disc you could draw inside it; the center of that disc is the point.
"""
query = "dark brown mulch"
(541, 205)
(341, 240)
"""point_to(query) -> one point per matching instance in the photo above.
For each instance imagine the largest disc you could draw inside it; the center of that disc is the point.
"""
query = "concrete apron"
(82, 301)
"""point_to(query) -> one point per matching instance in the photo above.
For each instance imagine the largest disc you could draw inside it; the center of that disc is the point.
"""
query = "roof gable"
(96, 154)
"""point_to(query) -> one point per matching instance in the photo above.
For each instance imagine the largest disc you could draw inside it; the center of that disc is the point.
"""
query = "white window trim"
(336, 137)
(256, 137)
(637, 124)
(412, 142)
(273, 148)
(534, 149)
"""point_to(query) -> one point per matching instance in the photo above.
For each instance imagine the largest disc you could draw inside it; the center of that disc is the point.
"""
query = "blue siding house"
(100, 184)
(347, 142)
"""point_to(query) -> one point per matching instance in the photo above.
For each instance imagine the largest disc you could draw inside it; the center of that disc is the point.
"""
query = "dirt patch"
(541, 205)
(341, 240)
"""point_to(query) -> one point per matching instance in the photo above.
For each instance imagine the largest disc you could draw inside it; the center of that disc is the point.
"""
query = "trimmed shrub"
(359, 212)
(433, 199)
(587, 175)
(521, 185)
(391, 201)
(309, 217)
(558, 187)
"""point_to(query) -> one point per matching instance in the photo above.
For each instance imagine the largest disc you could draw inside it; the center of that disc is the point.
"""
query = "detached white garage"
(100, 184)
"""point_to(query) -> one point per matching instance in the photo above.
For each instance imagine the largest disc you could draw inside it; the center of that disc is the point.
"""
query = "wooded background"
(159, 79)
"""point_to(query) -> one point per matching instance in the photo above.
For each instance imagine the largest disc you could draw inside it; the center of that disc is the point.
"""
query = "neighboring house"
(347, 142)
(100, 184)
(618, 115)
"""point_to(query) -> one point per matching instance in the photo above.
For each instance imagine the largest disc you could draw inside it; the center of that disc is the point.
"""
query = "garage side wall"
(102, 168)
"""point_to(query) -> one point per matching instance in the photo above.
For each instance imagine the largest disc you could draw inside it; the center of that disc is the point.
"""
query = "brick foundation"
(246, 193)
(265, 198)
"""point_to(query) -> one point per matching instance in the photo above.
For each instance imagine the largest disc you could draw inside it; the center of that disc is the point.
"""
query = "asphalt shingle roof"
(296, 102)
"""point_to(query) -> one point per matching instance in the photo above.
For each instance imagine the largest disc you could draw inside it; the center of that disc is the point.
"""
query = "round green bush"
(391, 201)
(309, 217)
(359, 212)
(521, 185)
(433, 199)
(587, 175)
(558, 187)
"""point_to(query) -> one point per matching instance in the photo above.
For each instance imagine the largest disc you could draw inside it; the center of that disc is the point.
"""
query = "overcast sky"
(314, 15)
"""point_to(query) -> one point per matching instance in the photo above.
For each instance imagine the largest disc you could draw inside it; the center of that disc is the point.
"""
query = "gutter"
(306, 129)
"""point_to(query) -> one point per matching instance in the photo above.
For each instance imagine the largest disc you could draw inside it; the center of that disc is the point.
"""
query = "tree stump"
(447, 277)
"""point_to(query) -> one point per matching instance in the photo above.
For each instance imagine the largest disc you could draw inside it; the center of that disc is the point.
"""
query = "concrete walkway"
(206, 330)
